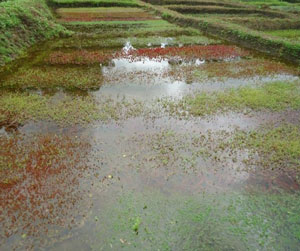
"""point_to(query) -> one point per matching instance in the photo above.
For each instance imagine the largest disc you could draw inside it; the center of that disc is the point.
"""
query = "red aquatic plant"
(39, 179)
(210, 52)
(79, 57)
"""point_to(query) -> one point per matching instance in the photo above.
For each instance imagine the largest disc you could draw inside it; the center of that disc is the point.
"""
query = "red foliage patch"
(78, 57)
(210, 52)
(39, 181)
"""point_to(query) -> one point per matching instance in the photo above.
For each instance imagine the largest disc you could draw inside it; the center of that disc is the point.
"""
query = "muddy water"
(150, 180)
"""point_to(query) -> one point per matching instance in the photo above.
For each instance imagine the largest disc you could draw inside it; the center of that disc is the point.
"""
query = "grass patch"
(22, 24)
(291, 8)
(293, 35)
(193, 3)
(224, 10)
(263, 23)
(113, 29)
(272, 96)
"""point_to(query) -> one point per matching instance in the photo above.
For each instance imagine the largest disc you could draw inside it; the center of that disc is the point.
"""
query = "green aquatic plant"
(64, 109)
(271, 96)
(208, 221)
(278, 147)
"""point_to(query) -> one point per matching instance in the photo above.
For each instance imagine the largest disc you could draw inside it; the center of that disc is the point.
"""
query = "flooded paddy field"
(142, 135)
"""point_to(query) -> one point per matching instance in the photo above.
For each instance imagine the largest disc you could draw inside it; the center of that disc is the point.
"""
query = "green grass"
(112, 29)
(264, 23)
(272, 96)
(98, 10)
(265, 2)
(123, 24)
(291, 8)
(22, 24)
(293, 35)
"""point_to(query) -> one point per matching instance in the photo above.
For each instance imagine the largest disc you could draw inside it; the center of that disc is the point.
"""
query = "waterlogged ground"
(165, 141)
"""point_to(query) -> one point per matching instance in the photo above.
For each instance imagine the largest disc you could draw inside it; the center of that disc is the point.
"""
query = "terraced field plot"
(94, 3)
(98, 14)
(289, 6)
(143, 135)
(240, 22)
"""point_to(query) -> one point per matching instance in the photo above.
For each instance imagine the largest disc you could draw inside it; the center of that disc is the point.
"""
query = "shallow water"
(148, 180)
